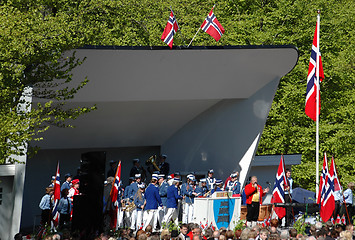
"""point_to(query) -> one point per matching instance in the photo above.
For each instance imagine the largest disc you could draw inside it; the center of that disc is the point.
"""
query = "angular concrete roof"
(145, 95)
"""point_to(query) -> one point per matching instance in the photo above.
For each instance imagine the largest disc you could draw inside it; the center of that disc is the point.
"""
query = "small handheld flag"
(170, 29)
(212, 26)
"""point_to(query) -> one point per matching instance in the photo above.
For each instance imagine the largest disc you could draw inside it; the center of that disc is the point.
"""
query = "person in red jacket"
(254, 194)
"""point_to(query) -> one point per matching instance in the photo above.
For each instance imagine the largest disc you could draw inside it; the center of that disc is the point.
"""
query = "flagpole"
(182, 36)
(317, 106)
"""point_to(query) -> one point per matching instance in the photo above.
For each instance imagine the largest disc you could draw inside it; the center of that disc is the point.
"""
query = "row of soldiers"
(163, 200)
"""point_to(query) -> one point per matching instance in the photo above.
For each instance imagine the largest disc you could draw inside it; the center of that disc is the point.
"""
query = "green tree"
(37, 36)
(34, 37)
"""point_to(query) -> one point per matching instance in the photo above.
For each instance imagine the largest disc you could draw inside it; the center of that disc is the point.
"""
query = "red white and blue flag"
(279, 189)
(115, 185)
(169, 31)
(337, 186)
(312, 85)
(56, 198)
(212, 26)
(114, 195)
(327, 192)
(322, 180)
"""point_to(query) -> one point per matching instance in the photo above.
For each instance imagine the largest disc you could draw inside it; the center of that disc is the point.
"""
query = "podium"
(221, 210)
(264, 212)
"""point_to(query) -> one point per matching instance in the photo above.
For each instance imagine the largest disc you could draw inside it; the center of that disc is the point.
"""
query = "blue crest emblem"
(223, 210)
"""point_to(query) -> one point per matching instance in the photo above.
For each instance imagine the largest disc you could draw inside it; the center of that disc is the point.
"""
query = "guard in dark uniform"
(112, 171)
(164, 166)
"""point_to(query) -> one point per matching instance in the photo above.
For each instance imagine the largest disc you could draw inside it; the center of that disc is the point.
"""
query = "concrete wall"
(220, 137)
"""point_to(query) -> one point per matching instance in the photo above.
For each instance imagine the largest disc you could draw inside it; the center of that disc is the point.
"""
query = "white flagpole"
(317, 106)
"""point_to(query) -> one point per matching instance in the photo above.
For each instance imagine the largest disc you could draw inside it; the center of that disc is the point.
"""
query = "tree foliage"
(37, 33)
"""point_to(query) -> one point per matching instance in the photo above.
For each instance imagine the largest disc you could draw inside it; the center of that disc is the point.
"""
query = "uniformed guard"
(163, 165)
(153, 200)
(139, 201)
(218, 186)
(126, 201)
(202, 190)
(211, 181)
(188, 192)
(133, 191)
(172, 203)
(233, 185)
(67, 183)
(163, 190)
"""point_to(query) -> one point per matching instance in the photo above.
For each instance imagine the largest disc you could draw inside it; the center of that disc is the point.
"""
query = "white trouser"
(127, 220)
(187, 214)
(134, 219)
(139, 219)
(160, 214)
(170, 215)
(149, 217)
(120, 214)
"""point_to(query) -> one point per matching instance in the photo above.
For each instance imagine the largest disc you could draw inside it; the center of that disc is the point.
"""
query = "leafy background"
(34, 34)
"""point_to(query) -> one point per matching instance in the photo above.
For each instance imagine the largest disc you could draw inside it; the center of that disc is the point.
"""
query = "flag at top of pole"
(212, 26)
(170, 30)
(315, 75)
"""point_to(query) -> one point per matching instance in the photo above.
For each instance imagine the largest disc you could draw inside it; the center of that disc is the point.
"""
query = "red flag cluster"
(210, 25)
(328, 183)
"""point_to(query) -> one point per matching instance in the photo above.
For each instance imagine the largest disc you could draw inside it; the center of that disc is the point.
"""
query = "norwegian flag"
(312, 86)
(115, 185)
(343, 220)
(327, 194)
(212, 26)
(56, 198)
(337, 186)
(338, 220)
(202, 226)
(278, 193)
(211, 226)
(169, 31)
(332, 220)
(322, 180)
(114, 193)
(266, 222)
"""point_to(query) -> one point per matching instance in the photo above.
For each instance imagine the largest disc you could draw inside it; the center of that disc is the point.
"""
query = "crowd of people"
(193, 231)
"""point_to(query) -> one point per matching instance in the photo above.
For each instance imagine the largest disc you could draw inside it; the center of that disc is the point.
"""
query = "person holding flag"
(346, 208)
(288, 198)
